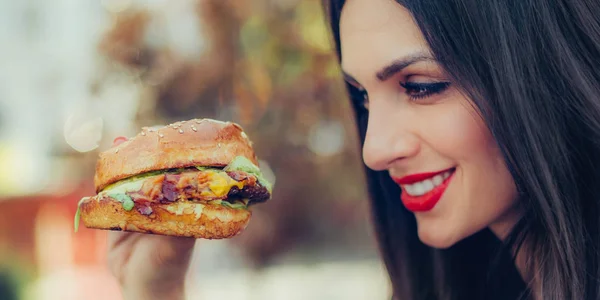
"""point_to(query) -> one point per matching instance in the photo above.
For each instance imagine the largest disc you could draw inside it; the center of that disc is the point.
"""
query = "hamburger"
(194, 178)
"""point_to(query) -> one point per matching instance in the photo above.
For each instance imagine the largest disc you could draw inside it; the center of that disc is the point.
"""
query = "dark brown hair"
(532, 69)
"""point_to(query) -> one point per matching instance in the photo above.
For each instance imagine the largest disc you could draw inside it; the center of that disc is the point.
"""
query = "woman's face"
(422, 129)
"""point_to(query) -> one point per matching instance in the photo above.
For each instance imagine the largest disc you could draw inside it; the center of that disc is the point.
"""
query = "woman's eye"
(417, 90)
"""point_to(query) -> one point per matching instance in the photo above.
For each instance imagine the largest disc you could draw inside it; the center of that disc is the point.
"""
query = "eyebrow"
(396, 66)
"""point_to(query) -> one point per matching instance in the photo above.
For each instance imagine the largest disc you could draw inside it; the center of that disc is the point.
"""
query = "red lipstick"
(410, 179)
(426, 201)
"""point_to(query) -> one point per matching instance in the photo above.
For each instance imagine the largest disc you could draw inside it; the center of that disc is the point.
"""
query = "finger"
(117, 237)
(120, 245)
(182, 242)
(120, 249)
(176, 245)
(173, 250)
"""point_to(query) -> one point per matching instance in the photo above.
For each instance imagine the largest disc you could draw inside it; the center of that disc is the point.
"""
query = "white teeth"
(409, 189)
(428, 185)
(425, 186)
(419, 189)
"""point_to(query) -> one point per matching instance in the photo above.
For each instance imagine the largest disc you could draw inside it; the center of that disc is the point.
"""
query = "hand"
(149, 266)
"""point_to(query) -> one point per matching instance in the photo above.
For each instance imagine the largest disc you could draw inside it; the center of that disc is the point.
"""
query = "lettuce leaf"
(241, 163)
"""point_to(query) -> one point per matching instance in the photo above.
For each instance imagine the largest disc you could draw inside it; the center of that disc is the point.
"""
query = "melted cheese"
(220, 184)
(182, 207)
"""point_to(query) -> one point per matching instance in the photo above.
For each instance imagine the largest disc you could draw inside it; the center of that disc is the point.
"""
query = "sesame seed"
(180, 130)
(197, 121)
(143, 133)
(194, 128)
(161, 135)
(117, 151)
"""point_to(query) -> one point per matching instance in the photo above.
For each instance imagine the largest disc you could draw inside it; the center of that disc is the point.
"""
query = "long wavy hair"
(532, 69)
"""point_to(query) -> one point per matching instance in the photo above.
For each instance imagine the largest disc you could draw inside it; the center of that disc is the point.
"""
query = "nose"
(389, 139)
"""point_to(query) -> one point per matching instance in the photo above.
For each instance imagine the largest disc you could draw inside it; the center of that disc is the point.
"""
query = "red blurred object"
(118, 140)
(23, 220)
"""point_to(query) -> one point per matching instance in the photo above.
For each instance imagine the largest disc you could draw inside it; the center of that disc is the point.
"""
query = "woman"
(480, 123)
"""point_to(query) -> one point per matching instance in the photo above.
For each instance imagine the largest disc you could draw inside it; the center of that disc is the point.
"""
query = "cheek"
(455, 131)
(486, 186)
(482, 192)
(486, 190)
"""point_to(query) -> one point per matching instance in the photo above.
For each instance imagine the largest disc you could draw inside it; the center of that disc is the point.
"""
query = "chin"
(436, 238)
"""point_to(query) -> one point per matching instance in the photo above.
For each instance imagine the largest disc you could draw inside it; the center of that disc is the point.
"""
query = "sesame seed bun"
(198, 142)
(177, 199)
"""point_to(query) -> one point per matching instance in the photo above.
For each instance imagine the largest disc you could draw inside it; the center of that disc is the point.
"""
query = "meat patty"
(201, 186)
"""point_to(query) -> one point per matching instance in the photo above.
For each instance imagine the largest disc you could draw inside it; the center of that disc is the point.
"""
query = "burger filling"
(236, 186)
(207, 185)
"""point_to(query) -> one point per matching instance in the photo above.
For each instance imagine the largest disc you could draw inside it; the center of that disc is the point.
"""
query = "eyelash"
(418, 91)
(415, 90)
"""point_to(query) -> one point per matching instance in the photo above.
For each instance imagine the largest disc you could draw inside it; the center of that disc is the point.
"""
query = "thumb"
(173, 251)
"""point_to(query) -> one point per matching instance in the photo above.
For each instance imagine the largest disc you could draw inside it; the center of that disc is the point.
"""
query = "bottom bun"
(184, 219)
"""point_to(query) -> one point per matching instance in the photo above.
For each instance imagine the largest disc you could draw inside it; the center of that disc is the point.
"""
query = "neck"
(506, 222)
(502, 228)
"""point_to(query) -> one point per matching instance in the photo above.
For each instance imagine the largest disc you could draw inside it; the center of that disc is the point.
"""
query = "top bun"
(197, 142)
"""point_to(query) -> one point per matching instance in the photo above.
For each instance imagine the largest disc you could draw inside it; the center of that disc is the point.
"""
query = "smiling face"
(422, 129)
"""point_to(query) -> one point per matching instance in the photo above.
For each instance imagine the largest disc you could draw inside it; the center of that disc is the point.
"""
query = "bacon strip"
(193, 186)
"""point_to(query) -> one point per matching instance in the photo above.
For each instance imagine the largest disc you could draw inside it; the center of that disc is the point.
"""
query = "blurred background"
(74, 74)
